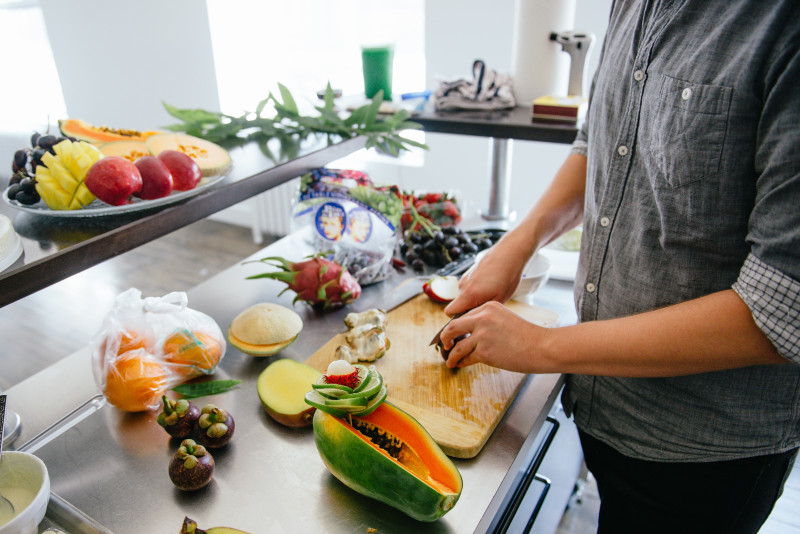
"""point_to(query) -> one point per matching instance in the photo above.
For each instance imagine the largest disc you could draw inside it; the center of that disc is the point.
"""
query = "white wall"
(116, 66)
(455, 36)
(118, 61)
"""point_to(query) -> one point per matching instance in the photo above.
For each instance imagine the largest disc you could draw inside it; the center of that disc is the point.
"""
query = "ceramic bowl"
(23, 481)
(534, 276)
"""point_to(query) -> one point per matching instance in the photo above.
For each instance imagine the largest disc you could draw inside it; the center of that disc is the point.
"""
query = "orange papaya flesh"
(97, 135)
(387, 455)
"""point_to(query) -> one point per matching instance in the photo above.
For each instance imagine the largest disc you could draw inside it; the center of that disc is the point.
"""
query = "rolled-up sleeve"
(769, 279)
(774, 300)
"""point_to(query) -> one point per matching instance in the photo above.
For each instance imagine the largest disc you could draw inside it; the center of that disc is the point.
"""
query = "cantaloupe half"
(269, 349)
(264, 329)
(97, 135)
(130, 150)
(210, 157)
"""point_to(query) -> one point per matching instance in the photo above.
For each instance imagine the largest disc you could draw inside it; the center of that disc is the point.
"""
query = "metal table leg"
(500, 184)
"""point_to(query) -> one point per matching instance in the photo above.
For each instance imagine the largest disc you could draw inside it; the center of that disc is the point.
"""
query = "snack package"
(148, 345)
(345, 213)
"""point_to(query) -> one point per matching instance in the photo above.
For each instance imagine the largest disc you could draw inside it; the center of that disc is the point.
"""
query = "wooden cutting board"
(459, 408)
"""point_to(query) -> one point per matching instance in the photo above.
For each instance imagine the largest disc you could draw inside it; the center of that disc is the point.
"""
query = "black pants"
(638, 496)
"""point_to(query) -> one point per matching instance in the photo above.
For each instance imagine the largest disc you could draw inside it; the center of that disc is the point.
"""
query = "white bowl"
(24, 481)
(534, 275)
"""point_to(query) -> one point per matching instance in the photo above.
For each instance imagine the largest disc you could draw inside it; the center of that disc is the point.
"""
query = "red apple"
(114, 180)
(156, 178)
(441, 289)
(185, 171)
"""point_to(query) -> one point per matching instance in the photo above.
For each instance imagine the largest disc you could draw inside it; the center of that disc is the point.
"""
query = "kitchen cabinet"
(270, 479)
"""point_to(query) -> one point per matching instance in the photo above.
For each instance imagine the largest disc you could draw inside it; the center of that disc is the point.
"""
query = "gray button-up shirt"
(693, 145)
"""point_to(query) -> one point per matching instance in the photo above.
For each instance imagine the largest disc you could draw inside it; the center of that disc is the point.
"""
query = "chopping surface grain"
(459, 408)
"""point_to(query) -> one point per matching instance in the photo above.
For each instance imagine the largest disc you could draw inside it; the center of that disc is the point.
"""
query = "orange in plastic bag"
(192, 348)
(135, 381)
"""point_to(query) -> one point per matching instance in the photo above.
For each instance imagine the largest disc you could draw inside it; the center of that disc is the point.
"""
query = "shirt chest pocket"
(687, 129)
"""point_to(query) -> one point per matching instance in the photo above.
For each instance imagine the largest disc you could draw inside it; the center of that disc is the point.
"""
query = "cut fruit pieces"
(60, 178)
(130, 150)
(340, 400)
(441, 289)
(210, 157)
(282, 387)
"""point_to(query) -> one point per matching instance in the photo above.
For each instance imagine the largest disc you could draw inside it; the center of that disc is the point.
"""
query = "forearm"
(710, 333)
(558, 210)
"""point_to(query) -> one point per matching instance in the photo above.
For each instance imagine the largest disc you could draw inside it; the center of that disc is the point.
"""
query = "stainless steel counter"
(270, 478)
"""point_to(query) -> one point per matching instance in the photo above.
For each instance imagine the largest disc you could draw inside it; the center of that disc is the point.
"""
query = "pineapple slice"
(60, 178)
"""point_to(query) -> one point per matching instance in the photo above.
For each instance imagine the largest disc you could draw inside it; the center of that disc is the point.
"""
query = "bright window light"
(30, 95)
(305, 44)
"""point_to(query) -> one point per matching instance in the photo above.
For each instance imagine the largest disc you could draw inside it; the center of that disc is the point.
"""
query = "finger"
(461, 355)
(460, 304)
(461, 326)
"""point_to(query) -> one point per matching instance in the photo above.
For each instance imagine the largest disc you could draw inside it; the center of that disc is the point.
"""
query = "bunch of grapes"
(22, 185)
(435, 246)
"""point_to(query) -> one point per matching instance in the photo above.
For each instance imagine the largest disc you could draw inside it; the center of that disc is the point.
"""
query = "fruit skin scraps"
(145, 346)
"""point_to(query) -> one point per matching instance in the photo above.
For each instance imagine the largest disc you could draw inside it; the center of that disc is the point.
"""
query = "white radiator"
(273, 211)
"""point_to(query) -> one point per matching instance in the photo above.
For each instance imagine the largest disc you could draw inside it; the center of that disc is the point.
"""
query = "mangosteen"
(191, 467)
(178, 417)
(215, 427)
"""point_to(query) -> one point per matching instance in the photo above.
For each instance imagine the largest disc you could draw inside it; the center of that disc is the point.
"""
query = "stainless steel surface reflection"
(270, 478)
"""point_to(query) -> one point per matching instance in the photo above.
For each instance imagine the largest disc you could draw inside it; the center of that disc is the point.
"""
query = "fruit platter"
(90, 171)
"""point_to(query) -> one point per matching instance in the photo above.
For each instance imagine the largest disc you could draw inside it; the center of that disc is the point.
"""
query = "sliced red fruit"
(441, 289)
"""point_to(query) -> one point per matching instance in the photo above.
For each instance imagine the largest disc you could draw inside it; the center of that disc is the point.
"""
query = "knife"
(411, 287)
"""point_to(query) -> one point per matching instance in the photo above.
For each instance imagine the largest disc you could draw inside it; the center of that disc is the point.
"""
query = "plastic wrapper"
(148, 345)
(350, 217)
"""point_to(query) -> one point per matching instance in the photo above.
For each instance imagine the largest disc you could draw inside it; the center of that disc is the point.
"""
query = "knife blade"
(411, 287)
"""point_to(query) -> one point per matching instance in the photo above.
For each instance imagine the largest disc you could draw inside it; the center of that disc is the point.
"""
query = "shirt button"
(604, 221)
(687, 93)
(590, 287)
(638, 75)
(622, 150)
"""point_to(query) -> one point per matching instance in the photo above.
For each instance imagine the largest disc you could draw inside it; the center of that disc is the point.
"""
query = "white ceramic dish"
(10, 250)
(24, 481)
(534, 276)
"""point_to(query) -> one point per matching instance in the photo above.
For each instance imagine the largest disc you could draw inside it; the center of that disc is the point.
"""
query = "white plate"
(99, 208)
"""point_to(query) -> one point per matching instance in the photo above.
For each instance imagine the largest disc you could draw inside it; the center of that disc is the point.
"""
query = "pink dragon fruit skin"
(320, 282)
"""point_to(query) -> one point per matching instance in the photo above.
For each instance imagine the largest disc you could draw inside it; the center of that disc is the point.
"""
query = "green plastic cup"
(377, 65)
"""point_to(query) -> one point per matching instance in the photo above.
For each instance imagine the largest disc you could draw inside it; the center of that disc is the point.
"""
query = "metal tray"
(64, 517)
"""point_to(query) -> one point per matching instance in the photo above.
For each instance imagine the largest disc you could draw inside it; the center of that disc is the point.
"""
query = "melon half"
(210, 157)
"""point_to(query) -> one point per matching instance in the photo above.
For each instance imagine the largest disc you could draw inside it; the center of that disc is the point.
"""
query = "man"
(684, 371)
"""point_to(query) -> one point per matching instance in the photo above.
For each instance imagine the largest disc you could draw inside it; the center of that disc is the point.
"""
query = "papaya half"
(387, 455)
(83, 131)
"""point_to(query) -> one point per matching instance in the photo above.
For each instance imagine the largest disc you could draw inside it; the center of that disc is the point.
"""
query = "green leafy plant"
(290, 127)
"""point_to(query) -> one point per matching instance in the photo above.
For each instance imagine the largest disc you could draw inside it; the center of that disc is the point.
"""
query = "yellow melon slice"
(130, 150)
(210, 157)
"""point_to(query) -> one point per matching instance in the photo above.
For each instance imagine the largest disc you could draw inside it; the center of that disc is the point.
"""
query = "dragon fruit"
(321, 282)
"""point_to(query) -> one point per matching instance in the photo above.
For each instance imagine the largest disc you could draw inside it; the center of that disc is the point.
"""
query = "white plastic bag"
(148, 345)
